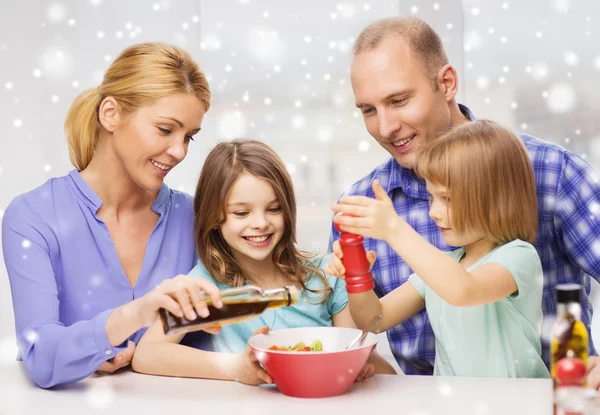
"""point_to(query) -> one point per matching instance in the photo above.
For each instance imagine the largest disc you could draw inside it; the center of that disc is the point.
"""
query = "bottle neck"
(572, 308)
(275, 292)
(289, 294)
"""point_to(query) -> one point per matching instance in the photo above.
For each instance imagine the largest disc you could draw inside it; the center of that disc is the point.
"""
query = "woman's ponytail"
(81, 127)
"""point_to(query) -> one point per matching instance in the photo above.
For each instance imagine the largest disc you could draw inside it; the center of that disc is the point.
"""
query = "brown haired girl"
(483, 299)
(245, 212)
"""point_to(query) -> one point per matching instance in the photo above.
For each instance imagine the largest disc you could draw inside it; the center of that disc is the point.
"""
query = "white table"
(131, 393)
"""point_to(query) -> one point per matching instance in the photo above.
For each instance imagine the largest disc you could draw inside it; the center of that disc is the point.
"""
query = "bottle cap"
(568, 293)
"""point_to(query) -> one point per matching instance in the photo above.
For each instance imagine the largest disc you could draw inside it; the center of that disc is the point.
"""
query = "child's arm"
(157, 354)
(378, 219)
(379, 364)
(394, 308)
(485, 284)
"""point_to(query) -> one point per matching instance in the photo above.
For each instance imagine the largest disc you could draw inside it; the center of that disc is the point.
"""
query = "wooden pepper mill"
(358, 277)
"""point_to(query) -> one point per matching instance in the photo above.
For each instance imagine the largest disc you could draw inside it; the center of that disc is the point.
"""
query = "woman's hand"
(182, 296)
(335, 267)
(373, 218)
(248, 370)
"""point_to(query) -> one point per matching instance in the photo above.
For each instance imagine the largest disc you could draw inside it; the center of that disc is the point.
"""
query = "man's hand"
(593, 372)
(335, 268)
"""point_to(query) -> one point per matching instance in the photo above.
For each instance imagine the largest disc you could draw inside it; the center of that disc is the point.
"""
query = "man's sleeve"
(577, 215)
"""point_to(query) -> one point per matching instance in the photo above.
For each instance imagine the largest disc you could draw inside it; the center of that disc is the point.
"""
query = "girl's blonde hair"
(142, 74)
(223, 165)
(489, 178)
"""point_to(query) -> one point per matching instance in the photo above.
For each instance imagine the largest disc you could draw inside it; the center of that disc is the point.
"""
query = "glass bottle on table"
(569, 341)
(575, 400)
(569, 353)
(239, 304)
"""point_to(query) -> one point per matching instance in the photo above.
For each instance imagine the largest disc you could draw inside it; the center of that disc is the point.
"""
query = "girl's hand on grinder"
(373, 218)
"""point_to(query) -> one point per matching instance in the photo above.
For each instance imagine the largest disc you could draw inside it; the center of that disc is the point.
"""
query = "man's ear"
(108, 114)
(447, 79)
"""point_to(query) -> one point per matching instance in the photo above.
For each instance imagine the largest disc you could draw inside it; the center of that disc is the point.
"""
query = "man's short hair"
(424, 42)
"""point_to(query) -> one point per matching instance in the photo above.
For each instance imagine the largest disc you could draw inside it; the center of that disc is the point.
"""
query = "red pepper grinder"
(358, 277)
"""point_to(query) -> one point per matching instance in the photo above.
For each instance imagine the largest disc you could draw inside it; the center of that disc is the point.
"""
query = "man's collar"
(467, 112)
(407, 180)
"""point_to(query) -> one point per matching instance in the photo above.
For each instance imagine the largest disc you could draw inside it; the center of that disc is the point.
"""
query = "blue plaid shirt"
(568, 240)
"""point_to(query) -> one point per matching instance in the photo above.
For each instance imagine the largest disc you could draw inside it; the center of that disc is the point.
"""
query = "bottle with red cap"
(569, 341)
(569, 353)
(358, 276)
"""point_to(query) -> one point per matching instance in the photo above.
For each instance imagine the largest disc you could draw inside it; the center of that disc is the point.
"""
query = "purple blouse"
(66, 277)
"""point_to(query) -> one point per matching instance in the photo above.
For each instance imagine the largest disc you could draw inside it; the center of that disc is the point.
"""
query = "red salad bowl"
(313, 374)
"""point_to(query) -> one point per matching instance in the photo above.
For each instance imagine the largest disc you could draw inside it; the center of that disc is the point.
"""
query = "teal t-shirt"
(500, 339)
(234, 337)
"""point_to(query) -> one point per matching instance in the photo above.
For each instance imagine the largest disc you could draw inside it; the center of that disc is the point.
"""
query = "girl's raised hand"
(373, 218)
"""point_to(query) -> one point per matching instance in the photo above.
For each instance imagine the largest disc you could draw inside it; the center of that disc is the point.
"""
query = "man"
(406, 90)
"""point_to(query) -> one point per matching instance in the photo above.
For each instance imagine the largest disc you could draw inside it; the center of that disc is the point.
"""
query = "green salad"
(315, 346)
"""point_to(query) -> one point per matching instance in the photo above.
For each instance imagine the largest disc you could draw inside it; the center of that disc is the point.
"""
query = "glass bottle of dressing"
(239, 304)
(569, 341)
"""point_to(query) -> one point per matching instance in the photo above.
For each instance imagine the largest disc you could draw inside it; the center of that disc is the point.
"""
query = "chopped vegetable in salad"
(315, 346)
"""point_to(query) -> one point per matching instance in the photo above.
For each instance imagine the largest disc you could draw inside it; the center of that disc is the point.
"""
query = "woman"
(88, 254)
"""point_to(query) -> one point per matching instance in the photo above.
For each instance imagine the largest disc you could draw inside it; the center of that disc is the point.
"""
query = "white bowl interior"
(334, 339)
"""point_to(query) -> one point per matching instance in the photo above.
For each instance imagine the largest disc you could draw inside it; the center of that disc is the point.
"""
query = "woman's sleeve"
(52, 353)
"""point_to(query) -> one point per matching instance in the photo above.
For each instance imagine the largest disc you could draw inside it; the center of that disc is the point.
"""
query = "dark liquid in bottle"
(233, 311)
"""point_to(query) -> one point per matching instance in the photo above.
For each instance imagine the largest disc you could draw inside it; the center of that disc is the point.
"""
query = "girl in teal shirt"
(483, 299)
(245, 212)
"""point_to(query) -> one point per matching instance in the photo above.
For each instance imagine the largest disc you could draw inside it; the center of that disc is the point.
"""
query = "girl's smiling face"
(255, 223)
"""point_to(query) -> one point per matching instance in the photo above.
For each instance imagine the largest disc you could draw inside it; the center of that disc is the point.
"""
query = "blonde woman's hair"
(222, 167)
(489, 178)
(142, 74)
